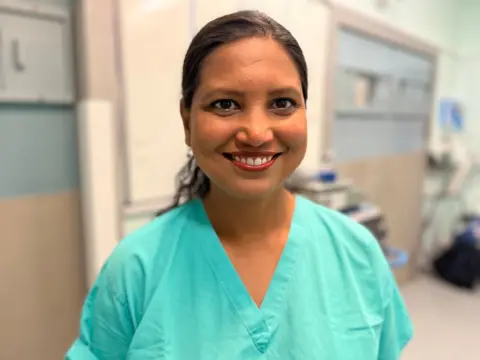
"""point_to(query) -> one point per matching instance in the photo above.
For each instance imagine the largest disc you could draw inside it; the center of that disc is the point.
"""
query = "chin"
(251, 190)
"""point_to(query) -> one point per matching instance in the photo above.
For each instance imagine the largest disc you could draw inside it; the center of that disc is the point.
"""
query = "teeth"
(257, 161)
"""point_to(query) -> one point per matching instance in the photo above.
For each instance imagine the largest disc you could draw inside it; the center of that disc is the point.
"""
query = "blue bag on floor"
(460, 264)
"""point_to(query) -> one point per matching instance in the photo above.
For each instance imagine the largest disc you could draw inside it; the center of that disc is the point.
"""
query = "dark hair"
(191, 181)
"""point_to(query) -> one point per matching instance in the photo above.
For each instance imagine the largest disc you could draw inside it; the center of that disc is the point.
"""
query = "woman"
(238, 267)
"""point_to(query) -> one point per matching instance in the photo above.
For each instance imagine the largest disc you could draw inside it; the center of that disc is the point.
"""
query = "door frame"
(342, 17)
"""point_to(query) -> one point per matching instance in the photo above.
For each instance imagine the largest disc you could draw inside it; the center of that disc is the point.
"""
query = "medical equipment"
(342, 196)
(452, 178)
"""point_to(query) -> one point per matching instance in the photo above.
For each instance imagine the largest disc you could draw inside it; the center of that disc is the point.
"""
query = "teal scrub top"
(170, 292)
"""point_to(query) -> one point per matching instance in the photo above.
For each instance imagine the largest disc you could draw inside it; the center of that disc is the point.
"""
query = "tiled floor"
(446, 321)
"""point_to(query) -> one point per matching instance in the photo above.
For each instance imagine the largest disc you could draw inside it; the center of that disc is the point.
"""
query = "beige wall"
(42, 282)
(394, 183)
(95, 49)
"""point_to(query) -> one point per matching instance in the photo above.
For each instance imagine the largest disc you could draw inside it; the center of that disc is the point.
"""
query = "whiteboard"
(154, 36)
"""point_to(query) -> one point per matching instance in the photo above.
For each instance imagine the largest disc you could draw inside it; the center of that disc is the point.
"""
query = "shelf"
(365, 214)
(361, 112)
(410, 115)
(416, 113)
(320, 187)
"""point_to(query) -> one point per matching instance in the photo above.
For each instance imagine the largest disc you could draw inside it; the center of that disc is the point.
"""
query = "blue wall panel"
(38, 150)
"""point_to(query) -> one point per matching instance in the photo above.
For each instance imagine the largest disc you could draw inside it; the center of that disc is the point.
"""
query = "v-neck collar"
(262, 321)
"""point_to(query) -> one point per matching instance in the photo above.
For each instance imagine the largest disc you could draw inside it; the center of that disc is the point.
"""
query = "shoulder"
(138, 262)
(352, 247)
(340, 227)
(159, 233)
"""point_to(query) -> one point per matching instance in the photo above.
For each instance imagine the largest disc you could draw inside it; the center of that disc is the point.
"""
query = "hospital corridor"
(239, 179)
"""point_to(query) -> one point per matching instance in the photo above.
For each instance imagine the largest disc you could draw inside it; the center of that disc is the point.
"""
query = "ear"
(185, 114)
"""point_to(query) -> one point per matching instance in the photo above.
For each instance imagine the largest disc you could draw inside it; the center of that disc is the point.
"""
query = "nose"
(256, 131)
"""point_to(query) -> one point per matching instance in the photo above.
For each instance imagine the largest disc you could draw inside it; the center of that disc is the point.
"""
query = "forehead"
(247, 63)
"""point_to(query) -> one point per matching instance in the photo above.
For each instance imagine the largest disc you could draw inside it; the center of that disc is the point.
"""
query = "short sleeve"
(397, 327)
(396, 330)
(105, 325)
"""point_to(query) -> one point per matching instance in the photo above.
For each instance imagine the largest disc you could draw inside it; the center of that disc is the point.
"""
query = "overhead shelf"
(361, 112)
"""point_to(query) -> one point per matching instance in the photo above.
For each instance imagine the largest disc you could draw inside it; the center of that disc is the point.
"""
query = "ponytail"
(191, 183)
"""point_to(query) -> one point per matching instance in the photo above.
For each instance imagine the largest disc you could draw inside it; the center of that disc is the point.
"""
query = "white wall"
(466, 78)
(431, 20)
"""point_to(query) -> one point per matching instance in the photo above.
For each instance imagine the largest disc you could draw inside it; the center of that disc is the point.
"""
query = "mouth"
(253, 161)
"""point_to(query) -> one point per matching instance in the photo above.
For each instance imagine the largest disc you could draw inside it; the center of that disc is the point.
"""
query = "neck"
(235, 218)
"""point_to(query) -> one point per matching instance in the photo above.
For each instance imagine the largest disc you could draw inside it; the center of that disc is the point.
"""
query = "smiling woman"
(231, 81)
(238, 267)
(241, 105)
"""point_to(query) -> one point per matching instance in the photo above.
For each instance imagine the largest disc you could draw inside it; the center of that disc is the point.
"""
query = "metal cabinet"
(35, 54)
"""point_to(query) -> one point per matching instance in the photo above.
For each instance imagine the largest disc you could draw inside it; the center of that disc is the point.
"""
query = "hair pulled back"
(191, 182)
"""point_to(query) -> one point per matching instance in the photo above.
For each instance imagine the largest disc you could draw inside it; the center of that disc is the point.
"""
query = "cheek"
(293, 134)
(207, 133)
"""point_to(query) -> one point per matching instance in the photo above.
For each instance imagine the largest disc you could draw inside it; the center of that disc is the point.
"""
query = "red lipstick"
(253, 161)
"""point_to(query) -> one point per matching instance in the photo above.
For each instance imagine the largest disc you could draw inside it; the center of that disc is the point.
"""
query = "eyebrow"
(285, 91)
(223, 92)
(289, 90)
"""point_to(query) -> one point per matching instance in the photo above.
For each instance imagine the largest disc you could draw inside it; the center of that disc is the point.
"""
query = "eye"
(283, 104)
(225, 105)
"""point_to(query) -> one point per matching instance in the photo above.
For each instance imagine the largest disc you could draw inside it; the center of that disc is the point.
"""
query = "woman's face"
(247, 123)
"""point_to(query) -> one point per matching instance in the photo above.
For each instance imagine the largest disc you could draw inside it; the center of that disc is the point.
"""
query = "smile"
(253, 161)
